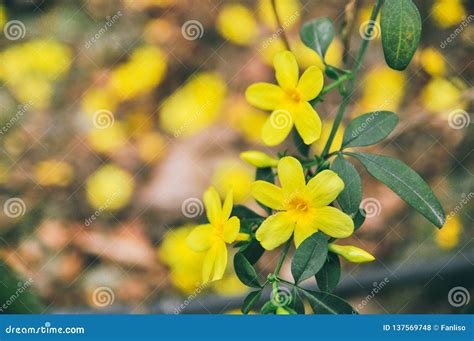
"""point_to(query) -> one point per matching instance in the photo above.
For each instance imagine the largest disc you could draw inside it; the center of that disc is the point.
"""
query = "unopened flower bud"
(258, 159)
(352, 253)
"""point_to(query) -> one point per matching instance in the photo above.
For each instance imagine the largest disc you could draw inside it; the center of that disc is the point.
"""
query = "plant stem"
(336, 83)
(284, 252)
(355, 70)
(280, 27)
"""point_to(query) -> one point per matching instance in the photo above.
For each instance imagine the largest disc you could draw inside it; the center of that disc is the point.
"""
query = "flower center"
(294, 94)
(298, 204)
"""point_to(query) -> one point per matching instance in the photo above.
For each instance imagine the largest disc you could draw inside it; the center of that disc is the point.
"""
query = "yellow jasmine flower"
(441, 95)
(289, 12)
(447, 13)
(289, 100)
(246, 119)
(233, 175)
(432, 62)
(448, 236)
(108, 139)
(151, 146)
(53, 173)
(304, 208)
(237, 24)
(258, 159)
(336, 145)
(307, 57)
(352, 253)
(212, 238)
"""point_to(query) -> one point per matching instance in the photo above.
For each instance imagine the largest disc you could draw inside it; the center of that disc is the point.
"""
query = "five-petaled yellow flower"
(303, 207)
(212, 237)
(289, 100)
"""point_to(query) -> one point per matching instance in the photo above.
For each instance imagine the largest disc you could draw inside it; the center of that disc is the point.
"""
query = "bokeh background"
(116, 115)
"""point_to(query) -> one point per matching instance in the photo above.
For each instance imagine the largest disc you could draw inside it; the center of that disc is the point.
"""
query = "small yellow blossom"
(447, 13)
(108, 139)
(96, 99)
(289, 13)
(237, 24)
(307, 57)
(258, 159)
(289, 100)
(233, 175)
(304, 208)
(441, 96)
(212, 238)
(53, 173)
(448, 237)
(336, 145)
(109, 188)
(151, 147)
(352, 253)
(246, 119)
(432, 62)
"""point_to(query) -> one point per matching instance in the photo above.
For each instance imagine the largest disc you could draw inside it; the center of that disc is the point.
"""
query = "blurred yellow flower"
(246, 119)
(351, 253)
(229, 285)
(96, 99)
(184, 263)
(318, 146)
(237, 24)
(233, 175)
(432, 62)
(3, 17)
(289, 12)
(289, 100)
(151, 146)
(441, 96)
(447, 13)
(138, 123)
(194, 106)
(448, 236)
(383, 89)
(108, 139)
(53, 173)
(140, 74)
(109, 188)
(307, 57)
(212, 238)
(270, 46)
(363, 18)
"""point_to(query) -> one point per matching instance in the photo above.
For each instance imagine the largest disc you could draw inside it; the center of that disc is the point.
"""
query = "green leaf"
(359, 218)
(302, 148)
(406, 183)
(369, 128)
(245, 271)
(318, 34)
(329, 275)
(268, 308)
(244, 213)
(400, 24)
(351, 197)
(253, 251)
(251, 300)
(326, 303)
(297, 303)
(309, 257)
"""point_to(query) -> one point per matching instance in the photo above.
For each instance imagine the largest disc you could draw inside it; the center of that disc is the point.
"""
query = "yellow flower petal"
(334, 222)
(231, 229)
(228, 204)
(275, 230)
(268, 194)
(291, 175)
(212, 201)
(304, 228)
(307, 122)
(286, 69)
(325, 187)
(265, 96)
(215, 262)
(200, 238)
(277, 127)
(311, 83)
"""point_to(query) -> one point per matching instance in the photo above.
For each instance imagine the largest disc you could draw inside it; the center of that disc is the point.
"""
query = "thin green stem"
(284, 252)
(336, 83)
(355, 70)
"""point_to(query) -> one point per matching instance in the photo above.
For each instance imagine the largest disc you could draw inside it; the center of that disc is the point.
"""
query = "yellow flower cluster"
(53, 173)
(194, 106)
(30, 70)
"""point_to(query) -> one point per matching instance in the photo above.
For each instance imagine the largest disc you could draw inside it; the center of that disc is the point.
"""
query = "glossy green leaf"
(244, 213)
(245, 271)
(400, 24)
(297, 303)
(369, 128)
(326, 303)
(351, 196)
(302, 147)
(252, 251)
(251, 300)
(359, 218)
(318, 34)
(329, 275)
(309, 257)
(406, 183)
